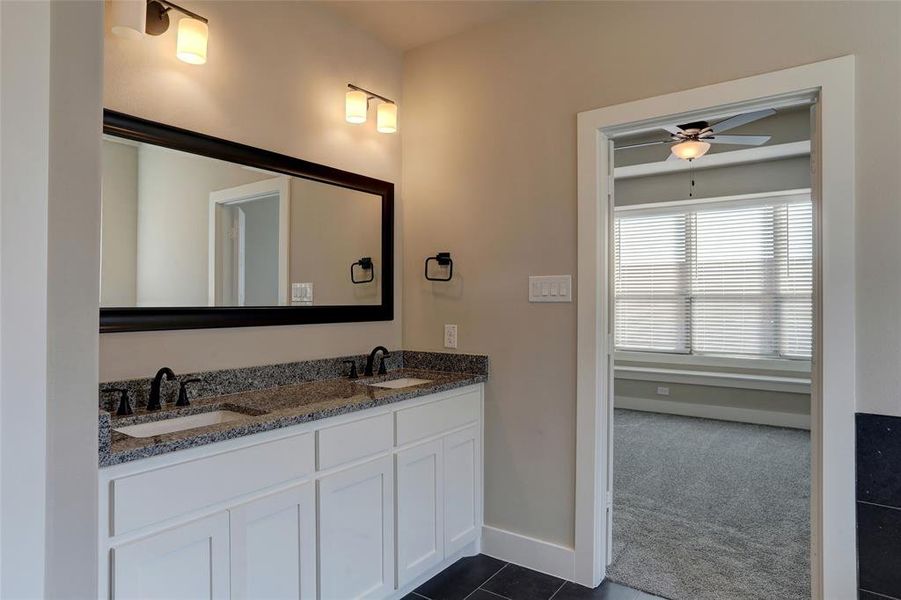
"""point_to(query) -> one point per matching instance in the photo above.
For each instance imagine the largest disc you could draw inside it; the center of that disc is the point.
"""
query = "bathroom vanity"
(333, 488)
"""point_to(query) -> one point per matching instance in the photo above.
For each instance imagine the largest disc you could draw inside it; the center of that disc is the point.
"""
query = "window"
(727, 277)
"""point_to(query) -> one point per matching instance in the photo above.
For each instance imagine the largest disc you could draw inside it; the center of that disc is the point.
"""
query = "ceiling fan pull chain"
(691, 177)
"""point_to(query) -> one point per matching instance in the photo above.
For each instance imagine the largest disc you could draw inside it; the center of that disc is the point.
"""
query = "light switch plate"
(550, 288)
(450, 336)
(302, 293)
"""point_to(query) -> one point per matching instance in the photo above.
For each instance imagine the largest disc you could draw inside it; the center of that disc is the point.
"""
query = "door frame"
(280, 185)
(830, 86)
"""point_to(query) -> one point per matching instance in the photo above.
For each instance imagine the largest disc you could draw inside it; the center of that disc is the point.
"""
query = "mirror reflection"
(183, 230)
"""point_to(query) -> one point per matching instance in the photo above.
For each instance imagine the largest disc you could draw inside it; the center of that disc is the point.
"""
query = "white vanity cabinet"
(363, 505)
(188, 561)
(356, 532)
(420, 509)
(273, 546)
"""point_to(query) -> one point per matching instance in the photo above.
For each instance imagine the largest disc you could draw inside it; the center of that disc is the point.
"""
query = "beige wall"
(119, 225)
(332, 227)
(173, 223)
(50, 117)
(490, 174)
(275, 79)
(770, 176)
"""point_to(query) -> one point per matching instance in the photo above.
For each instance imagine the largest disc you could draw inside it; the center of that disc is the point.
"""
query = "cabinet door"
(462, 489)
(420, 509)
(273, 546)
(188, 562)
(356, 532)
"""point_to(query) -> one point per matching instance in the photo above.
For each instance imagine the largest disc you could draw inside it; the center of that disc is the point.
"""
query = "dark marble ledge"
(268, 409)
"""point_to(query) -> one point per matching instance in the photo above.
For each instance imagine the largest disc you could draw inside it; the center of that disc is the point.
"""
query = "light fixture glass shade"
(192, 40)
(128, 18)
(691, 149)
(387, 117)
(355, 106)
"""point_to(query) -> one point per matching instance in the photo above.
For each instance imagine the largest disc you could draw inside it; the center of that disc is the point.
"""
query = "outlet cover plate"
(450, 336)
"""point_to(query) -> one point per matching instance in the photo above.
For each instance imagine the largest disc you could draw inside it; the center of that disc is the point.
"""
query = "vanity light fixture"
(133, 18)
(386, 117)
(356, 109)
(128, 18)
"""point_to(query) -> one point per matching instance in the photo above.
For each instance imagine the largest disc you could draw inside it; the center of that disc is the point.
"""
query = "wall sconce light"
(133, 18)
(128, 18)
(356, 109)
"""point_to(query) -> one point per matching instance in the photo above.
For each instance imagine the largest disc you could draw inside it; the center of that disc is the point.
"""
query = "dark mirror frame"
(202, 317)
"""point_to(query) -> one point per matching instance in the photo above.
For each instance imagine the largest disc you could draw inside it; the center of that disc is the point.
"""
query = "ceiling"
(406, 24)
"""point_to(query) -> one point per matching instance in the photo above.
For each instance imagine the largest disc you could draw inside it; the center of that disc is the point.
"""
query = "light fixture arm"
(167, 6)
(369, 95)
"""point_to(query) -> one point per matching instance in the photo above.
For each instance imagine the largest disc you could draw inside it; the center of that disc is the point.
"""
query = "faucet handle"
(353, 368)
(183, 392)
(124, 405)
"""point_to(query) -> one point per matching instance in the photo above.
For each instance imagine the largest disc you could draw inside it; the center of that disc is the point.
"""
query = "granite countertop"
(268, 409)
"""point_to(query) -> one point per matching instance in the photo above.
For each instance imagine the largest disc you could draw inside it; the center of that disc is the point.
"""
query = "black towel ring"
(444, 260)
(364, 263)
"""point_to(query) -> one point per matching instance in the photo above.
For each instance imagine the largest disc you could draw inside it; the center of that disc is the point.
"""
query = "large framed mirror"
(200, 232)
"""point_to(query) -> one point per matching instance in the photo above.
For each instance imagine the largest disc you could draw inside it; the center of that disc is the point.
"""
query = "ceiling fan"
(692, 140)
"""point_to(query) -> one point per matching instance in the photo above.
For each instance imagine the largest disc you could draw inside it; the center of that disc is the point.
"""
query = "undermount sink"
(180, 424)
(401, 382)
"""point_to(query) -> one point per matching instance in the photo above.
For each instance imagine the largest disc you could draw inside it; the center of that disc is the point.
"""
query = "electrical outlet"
(662, 390)
(450, 336)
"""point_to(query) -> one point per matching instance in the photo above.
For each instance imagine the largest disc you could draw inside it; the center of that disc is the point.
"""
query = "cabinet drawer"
(431, 419)
(357, 439)
(146, 498)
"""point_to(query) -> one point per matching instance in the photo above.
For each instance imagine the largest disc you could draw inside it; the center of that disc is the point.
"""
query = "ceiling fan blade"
(739, 140)
(742, 119)
(673, 129)
(642, 144)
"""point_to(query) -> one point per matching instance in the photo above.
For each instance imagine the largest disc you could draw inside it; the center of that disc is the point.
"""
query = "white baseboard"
(525, 551)
(708, 411)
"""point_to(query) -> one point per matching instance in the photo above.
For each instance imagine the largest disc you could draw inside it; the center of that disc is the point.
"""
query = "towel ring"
(364, 263)
(444, 260)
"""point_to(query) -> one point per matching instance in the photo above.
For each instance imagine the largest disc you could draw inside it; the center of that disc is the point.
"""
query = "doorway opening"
(828, 88)
(712, 302)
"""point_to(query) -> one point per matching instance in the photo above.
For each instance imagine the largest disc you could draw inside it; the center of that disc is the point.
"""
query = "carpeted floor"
(710, 510)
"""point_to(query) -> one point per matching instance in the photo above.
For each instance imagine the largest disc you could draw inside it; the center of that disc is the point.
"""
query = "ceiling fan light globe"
(690, 150)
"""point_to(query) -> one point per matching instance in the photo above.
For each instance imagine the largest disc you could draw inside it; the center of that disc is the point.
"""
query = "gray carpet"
(710, 510)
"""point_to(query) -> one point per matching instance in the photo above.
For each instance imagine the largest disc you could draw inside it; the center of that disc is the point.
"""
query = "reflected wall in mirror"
(202, 232)
(186, 230)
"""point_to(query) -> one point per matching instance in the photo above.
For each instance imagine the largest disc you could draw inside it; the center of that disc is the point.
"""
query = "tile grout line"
(492, 577)
(558, 590)
(889, 506)
(877, 594)
(420, 595)
(479, 587)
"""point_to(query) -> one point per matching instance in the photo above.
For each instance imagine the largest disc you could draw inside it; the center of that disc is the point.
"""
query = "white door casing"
(830, 84)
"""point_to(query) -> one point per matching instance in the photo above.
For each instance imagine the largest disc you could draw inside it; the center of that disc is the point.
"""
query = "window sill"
(773, 383)
(797, 368)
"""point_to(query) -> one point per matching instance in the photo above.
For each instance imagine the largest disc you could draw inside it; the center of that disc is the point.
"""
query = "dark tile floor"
(485, 578)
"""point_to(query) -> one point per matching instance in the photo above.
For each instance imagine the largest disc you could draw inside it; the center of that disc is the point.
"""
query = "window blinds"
(728, 277)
